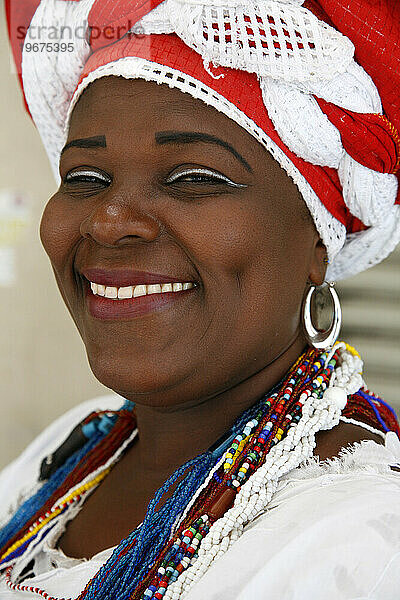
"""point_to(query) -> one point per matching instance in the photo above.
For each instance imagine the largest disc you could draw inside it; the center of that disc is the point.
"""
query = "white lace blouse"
(332, 530)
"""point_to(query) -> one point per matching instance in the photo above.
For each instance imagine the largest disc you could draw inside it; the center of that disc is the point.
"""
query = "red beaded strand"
(92, 461)
(359, 409)
(28, 588)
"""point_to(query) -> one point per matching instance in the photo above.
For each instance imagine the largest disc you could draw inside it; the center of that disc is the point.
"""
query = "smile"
(135, 291)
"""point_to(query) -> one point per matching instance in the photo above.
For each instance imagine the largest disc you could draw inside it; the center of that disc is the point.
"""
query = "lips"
(128, 277)
(108, 308)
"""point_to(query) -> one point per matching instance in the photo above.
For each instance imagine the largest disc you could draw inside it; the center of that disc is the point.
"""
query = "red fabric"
(114, 18)
(374, 28)
(19, 14)
(379, 150)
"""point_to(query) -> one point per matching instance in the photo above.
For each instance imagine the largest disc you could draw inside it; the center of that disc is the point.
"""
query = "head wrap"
(314, 81)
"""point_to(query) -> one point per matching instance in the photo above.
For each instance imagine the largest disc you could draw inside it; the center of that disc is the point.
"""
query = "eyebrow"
(188, 137)
(98, 141)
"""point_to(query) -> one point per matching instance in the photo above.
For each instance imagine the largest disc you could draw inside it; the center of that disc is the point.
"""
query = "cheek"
(259, 255)
(58, 231)
(254, 238)
(222, 235)
(279, 264)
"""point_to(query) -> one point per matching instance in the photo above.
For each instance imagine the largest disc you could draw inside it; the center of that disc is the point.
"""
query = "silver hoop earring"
(321, 339)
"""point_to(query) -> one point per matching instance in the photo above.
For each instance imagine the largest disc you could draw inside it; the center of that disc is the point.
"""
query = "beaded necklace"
(224, 489)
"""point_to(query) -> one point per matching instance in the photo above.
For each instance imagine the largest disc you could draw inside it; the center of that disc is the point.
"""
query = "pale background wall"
(43, 367)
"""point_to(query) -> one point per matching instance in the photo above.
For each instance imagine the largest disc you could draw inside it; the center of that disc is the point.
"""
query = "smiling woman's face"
(161, 188)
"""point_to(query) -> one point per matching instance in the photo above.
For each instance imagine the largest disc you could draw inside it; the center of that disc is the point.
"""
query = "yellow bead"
(352, 350)
(56, 511)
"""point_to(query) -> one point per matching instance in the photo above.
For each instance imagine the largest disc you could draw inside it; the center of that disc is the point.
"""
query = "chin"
(132, 378)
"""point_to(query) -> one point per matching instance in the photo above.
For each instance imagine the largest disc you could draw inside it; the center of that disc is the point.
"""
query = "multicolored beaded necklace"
(163, 550)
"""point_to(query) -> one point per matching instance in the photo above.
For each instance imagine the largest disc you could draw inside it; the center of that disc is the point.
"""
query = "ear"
(319, 263)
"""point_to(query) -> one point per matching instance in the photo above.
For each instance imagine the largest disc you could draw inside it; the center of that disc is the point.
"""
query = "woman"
(183, 251)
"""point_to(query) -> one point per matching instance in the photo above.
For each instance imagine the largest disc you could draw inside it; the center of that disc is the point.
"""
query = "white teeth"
(111, 292)
(125, 292)
(134, 291)
(140, 290)
(154, 289)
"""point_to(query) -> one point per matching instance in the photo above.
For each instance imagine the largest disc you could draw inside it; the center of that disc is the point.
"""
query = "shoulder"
(330, 443)
(20, 477)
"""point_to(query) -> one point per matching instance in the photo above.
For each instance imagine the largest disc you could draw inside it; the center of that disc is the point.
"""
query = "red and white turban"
(316, 82)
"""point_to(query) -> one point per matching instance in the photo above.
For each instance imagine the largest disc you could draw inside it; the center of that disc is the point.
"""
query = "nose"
(117, 221)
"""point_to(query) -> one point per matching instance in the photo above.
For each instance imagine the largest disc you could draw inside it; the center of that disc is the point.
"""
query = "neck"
(168, 437)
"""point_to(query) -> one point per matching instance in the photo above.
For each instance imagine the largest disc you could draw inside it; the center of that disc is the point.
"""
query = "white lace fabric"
(294, 55)
(281, 40)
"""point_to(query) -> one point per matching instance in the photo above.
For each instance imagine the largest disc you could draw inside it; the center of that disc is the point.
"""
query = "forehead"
(116, 104)
(126, 111)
